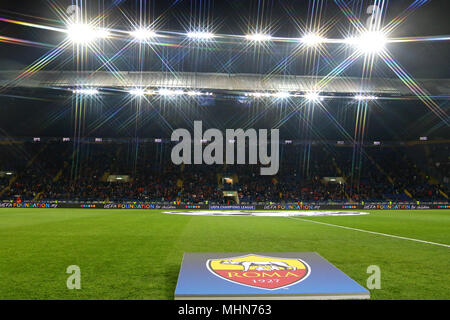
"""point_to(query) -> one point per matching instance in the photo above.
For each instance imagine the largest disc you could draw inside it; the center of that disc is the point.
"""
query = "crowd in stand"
(58, 171)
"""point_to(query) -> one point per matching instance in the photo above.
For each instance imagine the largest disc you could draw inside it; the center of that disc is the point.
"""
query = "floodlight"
(258, 37)
(81, 33)
(85, 33)
(138, 92)
(87, 91)
(200, 35)
(369, 42)
(313, 96)
(312, 40)
(143, 34)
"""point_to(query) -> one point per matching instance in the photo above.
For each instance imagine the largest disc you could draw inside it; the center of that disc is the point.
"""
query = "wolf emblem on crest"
(261, 265)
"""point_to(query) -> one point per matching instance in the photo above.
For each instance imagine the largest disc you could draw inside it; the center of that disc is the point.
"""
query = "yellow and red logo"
(260, 271)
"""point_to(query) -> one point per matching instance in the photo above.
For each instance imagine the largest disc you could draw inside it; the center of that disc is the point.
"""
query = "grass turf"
(131, 254)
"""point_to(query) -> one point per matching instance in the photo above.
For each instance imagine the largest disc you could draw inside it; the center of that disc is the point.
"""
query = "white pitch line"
(372, 232)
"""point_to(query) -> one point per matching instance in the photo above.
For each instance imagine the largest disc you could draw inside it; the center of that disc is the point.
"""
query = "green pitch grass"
(130, 254)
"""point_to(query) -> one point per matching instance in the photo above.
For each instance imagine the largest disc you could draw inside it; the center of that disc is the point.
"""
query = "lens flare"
(85, 33)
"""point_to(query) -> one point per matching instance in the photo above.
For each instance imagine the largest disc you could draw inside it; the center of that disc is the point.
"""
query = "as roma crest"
(260, 271)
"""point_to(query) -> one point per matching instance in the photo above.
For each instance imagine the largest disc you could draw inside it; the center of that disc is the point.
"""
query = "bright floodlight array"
(368, 42)
(84, 33)
(311, 96)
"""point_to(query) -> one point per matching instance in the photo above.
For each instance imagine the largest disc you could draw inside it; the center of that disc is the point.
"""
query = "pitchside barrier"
(165, 206)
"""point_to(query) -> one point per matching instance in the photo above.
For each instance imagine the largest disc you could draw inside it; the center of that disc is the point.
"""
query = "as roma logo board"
(260, 271)
(268, 275)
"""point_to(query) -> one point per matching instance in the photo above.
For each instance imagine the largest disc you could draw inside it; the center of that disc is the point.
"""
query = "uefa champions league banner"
(236, 207)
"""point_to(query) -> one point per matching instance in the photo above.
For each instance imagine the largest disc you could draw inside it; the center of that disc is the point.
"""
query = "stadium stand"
(69, 171)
